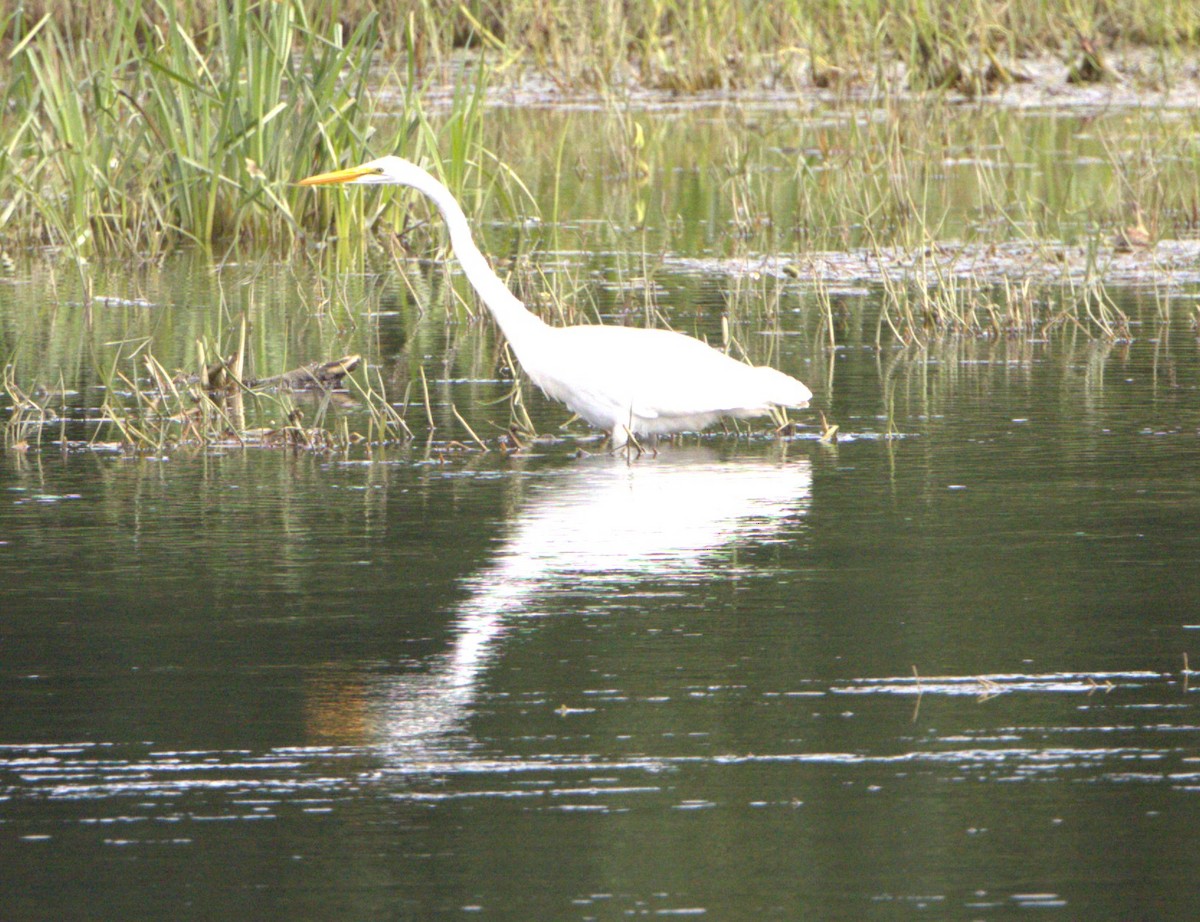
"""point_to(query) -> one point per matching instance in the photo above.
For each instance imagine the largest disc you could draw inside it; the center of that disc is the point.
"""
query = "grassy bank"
(137, 127)
(690, 45)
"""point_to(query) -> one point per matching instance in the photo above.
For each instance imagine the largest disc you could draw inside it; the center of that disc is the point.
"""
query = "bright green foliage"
(165, 133)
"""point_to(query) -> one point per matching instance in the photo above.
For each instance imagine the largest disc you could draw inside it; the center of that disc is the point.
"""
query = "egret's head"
(394, 171)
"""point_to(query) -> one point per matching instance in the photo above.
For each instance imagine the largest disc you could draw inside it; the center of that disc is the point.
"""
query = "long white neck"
(515, 320)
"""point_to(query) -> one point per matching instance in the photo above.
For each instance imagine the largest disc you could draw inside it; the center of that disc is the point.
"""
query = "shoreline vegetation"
(139, 130)
(677, 45)
(165, 124)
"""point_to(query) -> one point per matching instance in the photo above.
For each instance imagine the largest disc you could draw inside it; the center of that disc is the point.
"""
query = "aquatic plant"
(166, 124)
(170, 126)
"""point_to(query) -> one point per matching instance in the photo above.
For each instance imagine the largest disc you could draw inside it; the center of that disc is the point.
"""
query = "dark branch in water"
(313, 376)
(325, 375)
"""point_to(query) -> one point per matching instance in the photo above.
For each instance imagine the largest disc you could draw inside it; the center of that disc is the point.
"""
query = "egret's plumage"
(625, 380)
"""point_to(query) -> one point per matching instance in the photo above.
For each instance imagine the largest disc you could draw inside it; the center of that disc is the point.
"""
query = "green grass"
(163, 132)
(137, 127)
(690, 45)
(170, 128)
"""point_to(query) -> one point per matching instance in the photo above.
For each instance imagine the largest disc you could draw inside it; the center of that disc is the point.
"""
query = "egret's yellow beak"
(338, 176)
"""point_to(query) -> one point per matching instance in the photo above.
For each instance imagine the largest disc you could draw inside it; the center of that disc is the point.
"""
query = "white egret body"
(628, 381)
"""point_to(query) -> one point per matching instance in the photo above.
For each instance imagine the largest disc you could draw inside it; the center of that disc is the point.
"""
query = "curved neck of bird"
(514, 319)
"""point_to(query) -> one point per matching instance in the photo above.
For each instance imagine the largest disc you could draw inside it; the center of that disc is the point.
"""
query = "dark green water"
(299, 686)
(936, 670)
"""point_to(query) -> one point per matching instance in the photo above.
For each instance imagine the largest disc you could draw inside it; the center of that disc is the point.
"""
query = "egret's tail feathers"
(783, 390)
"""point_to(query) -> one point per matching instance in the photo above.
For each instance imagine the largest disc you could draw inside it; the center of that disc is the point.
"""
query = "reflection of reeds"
(27, 415)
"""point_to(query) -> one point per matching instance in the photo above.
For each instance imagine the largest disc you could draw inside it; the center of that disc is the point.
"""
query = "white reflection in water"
(598, 521)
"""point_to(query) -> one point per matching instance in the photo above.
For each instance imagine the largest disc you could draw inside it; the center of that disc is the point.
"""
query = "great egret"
(628, 381)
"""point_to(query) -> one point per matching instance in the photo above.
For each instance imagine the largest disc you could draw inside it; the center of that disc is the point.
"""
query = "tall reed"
(162, 132)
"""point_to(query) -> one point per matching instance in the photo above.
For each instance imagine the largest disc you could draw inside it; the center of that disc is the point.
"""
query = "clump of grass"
(686, 46)
(146, 408)
(957, 46)
(172, 127)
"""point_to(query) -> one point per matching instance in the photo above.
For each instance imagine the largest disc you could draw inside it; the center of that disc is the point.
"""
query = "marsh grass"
(145, 407)
(155, 124)
(164, 129)
(687, 46)
(162, 124)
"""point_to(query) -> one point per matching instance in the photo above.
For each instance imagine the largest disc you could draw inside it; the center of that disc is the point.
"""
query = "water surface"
(935, 669)
(748, 678)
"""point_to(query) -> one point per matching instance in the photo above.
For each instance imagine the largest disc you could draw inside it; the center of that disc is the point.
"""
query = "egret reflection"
(599, 521)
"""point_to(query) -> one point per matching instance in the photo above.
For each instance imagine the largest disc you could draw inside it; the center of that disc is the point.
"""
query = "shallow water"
(939, 672)
(936, 669)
